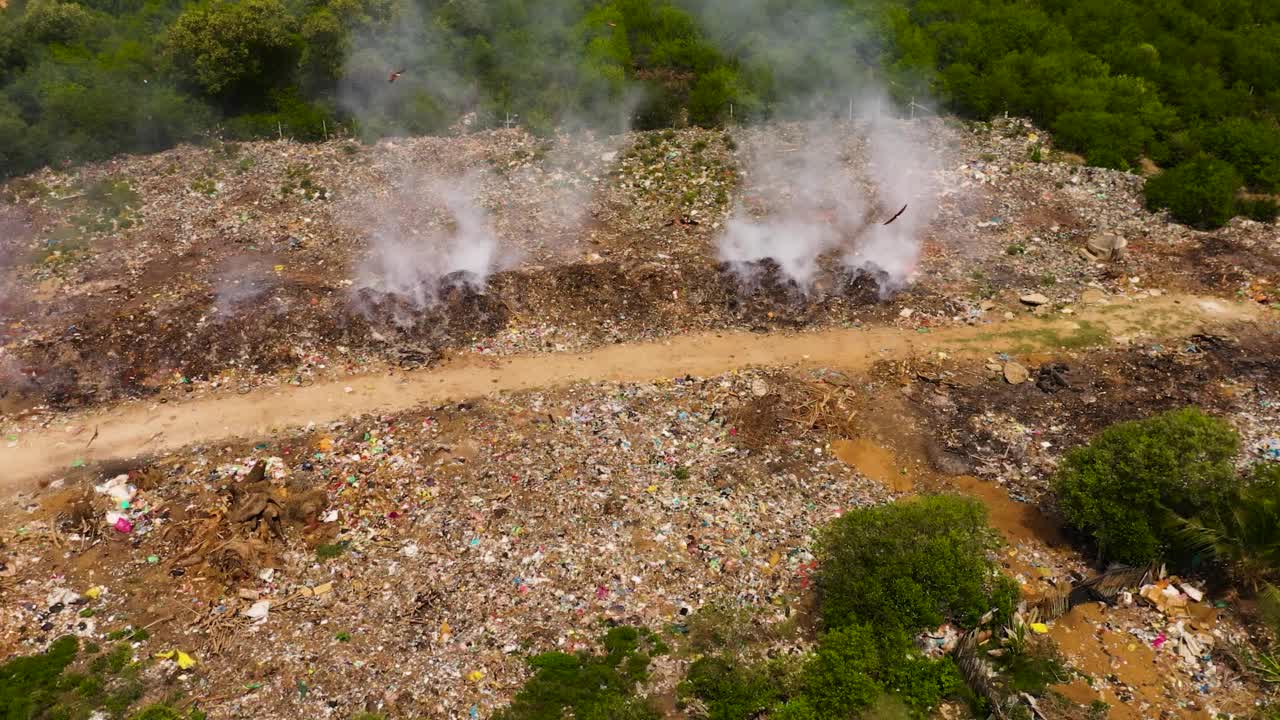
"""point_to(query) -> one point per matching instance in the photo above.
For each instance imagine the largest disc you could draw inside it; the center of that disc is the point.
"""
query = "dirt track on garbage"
(132, 429)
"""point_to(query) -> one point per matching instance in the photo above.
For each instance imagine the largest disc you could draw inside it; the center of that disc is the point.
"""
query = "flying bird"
(896, 215)
(395, 75)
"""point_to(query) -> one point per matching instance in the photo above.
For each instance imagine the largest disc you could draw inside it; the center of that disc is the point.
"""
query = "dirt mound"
(1014, 432)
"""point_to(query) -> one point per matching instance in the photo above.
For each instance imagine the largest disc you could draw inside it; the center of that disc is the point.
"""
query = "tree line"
(1188, 85)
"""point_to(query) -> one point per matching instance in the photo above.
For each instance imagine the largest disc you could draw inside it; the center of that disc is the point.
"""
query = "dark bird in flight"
(395, 75)
(896, 215)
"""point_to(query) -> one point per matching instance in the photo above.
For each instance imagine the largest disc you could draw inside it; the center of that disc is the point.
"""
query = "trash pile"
(172, 273)
(1159, 643)
(412, 562)
(1013, 424)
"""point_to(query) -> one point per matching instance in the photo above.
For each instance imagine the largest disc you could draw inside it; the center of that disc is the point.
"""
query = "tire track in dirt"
(133, 429)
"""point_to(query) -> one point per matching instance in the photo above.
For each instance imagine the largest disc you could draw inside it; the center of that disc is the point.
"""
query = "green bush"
(840, 678)
(1200, 192)
(798, 708)
(860, 666)
(1243, 536)
(916, 682)
(850, 670)
(1252, 147)
(589, 686)
(909, 565)
(1122, 487)
(1262, 209)
(730, 690)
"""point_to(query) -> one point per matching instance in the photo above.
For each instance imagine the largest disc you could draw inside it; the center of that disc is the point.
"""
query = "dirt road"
(133, 429)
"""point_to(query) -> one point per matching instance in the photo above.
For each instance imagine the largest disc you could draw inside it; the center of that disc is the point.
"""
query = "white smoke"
(798, 205)
(903, 170)
(832, 192)
(429, 235)
(240, 283)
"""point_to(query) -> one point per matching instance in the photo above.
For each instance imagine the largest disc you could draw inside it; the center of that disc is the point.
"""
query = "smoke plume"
(902, 167)
(240, 283)
(831, 193)
(430, 235)
(798, 203)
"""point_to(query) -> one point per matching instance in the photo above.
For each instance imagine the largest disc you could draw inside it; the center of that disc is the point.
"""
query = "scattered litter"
(182, 659)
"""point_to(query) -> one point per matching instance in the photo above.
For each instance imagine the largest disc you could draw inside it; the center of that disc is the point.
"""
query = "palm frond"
(1201, 537)
(1269, 604)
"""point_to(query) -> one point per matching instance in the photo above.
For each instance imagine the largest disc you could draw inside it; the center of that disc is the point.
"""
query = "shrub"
(840, 676)
(909, 565)
(851, 669)
(1121, 488)
(1252, 147)
(795, 709)
(859, 666)
(1200, 192)
(710, 97)
(589, 686)
(730, 690)
(1243, 536)
(915, 681)
(1262, 209)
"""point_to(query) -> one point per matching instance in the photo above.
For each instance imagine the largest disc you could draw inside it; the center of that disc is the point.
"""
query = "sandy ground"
(132, 429)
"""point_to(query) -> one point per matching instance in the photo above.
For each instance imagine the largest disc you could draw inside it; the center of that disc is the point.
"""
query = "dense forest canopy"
(1172, 81)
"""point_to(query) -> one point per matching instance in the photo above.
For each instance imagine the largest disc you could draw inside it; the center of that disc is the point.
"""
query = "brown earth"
(129, 430)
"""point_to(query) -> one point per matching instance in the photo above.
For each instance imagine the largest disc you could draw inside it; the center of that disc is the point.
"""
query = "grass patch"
(206, 186)
(299, 180)
(1086, 334)
(329, 551)
(102, 206)
(53, 685)
(1035, 669)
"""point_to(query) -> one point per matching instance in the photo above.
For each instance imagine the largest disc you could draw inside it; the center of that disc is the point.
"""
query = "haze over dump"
(802, 202)
(434, 233)
(797, 204)
(430, 234)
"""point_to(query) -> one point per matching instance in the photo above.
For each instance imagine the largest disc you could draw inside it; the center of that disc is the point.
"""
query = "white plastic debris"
(258, 611)
(118, 488)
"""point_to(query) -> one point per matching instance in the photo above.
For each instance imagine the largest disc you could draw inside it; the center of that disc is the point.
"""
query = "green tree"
(51, 21)
(909, 565)
(1125, 486)
(235, 50)
(1200, 192)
